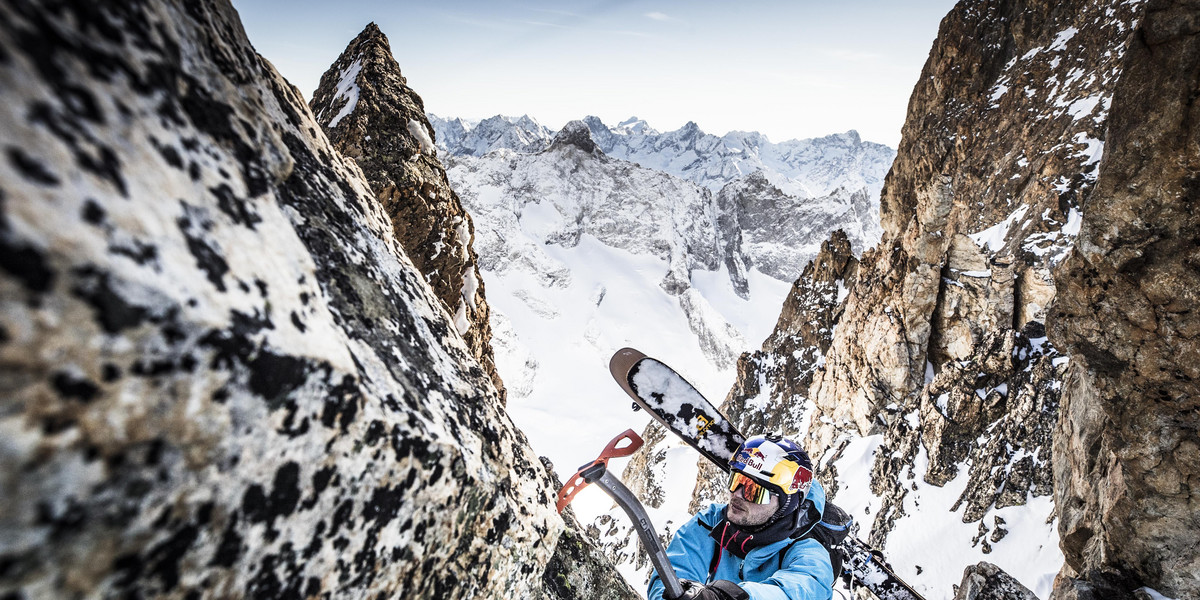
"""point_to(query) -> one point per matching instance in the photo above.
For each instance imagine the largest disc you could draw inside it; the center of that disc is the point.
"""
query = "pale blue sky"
(788, 69)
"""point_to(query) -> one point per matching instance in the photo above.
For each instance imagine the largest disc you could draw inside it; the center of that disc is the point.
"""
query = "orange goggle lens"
(751, 490)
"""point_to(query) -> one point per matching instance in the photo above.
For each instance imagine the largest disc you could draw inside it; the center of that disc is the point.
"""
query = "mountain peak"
(575, 133)
(634, 125)
(370, 44)
(365, 69)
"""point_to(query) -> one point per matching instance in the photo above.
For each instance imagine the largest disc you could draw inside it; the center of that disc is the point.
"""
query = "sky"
(790, 69)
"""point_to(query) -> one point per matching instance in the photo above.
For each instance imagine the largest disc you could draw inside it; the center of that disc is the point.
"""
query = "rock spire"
(370, 114)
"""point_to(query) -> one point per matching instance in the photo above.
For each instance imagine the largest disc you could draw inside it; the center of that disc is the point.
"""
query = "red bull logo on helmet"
(800, 480)
(752, 458)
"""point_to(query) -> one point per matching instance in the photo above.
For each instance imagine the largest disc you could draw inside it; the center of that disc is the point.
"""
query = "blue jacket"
(786, 570)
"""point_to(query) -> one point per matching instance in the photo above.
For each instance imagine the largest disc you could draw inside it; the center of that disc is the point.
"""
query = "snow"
(1060, 42)
(993, 238)
(842, 291)
(934, 538)
(347, 88)
(553, 342)
(1092, 149)
(1001, 89)
(1074, 222)
(418, 130)
(1153, 594)
(1085, 106)
(751, 317)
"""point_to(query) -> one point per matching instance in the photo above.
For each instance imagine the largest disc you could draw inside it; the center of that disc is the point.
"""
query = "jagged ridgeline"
(1023, 332)
(220, 373)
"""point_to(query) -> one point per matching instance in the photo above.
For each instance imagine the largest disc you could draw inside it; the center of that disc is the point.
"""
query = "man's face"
(744, 513)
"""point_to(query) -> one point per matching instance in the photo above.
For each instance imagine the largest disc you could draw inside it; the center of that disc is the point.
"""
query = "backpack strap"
(829, 530)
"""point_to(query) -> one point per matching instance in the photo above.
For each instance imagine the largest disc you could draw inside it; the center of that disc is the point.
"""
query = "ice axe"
(597, 472)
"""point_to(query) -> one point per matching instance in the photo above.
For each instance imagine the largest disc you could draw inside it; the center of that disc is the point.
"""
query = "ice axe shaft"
(597, 472)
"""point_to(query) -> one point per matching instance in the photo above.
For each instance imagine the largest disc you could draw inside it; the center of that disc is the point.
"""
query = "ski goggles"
(752, 491)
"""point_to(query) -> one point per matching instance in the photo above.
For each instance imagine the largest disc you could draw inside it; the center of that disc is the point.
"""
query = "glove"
(717, 590)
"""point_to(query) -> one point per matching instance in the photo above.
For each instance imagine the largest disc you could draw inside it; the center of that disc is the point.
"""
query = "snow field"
(931, 546)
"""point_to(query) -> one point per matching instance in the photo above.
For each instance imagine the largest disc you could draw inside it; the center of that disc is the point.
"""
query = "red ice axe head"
(593, 470)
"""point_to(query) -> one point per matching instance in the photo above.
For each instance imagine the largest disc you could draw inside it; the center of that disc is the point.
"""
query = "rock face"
(220, 375)
(370, 114)
(1127, 447)
(776, 232)
(942, 347)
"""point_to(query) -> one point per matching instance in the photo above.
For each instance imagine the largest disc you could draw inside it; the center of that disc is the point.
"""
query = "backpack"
(830, 528)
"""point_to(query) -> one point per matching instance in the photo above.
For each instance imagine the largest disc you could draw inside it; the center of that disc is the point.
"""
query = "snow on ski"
(676, 404)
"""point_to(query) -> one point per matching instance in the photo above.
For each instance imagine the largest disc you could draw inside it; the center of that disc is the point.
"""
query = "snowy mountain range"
(257, 389)
(812, 167)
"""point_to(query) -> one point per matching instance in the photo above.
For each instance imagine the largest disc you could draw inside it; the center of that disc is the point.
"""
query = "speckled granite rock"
(220, 375)
(370, 114)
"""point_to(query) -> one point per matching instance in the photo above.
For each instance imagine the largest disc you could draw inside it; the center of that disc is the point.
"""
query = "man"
(747, 549)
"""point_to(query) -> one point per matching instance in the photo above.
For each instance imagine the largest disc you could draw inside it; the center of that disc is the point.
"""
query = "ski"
(675, 403)
(684, 411)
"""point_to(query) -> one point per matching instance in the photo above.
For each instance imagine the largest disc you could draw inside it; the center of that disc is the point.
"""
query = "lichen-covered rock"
(1127, 450)
(985, 581)
(220, 375)
(370, 114)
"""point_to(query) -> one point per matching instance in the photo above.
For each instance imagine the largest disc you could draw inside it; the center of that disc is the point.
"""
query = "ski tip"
(624, 359)
(621, 364)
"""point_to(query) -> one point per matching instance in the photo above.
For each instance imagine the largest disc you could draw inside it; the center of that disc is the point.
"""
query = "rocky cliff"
(220, 373)
(370, 114)
(1127, 444)
(942, 350)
